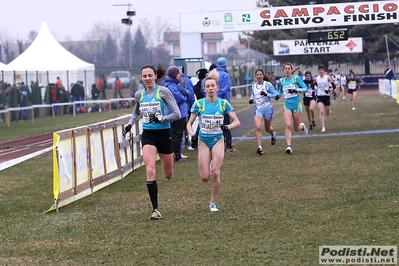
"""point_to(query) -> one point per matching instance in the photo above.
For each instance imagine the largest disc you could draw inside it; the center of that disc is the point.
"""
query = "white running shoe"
(304, 129)
(190, 148)
(212, 207)
(323, 129)
(184, 156)
(288, 149)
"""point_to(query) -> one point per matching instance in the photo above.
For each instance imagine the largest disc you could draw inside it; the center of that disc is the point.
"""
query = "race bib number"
(150, 107)
(287, 94)
(261, 102)
(210, 124)
(352, 86)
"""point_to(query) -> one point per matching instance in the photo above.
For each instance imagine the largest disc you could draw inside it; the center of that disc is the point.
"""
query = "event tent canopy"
(46, 54)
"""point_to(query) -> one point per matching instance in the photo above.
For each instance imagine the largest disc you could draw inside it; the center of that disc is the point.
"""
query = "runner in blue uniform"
(157, 106)
(290, 86)
(211, 111)
(261, 93)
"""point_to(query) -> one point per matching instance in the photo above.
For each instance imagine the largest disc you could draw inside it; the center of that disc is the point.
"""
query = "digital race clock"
(327, 35)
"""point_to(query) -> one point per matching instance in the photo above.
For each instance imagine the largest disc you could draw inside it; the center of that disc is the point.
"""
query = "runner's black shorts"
(307, 100)
(324, 99)
(161, 139)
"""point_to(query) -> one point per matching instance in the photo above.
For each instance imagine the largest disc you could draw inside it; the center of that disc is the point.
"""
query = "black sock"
(153, 192)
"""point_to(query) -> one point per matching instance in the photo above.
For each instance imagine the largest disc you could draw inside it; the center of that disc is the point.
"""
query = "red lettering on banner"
(265, 14)
(390, 7)
(349, 10)
(280, 13)
(317, 10)
(364, 9)
(300, 12)
(333, 10)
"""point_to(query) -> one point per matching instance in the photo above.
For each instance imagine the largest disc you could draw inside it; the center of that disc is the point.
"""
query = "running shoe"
(184, 156)
(212, 207)
(310, 127)
(313, 124)
(353, 108)
(259, 151)
(156, 215)
(274, 138)
(323, 129)
(304, 129)
(288, 149)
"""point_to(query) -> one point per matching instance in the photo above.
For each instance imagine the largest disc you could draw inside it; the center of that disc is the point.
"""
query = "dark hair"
(266, 78)
(322, 67)
(159, 72)
(308, 72)
(289, 64)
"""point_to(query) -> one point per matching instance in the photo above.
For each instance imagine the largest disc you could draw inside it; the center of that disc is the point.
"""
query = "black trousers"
(228, 141)
(177, 129)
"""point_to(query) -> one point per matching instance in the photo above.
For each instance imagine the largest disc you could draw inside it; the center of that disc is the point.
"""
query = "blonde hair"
(213, 75)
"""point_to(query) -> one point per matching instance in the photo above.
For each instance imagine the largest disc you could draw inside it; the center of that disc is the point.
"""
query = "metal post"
(386, 43)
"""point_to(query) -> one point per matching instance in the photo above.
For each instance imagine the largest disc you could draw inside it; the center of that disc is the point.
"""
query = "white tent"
(2, 66)
(45, 60)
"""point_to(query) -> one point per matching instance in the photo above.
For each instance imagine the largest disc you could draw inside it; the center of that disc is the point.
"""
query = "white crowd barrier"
(85, 103)
(389, 87)
(89, 158)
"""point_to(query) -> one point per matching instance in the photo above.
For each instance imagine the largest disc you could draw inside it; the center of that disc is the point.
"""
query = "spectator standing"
(36, 97)
(2, 100)
(101, 86)
(187, 84)
(180, 95)
(199, 94)
(14, 101)
(26, 99)
(224, 93)
(118, 87)
(211, 111)
(58, 82)
(158, 108)
(389, 73)
(78, 94)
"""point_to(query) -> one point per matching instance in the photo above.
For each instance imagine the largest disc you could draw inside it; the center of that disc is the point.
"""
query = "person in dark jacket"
(224, 93)
(26, 99)
(180, 94)
(14, 100)
(78, 94)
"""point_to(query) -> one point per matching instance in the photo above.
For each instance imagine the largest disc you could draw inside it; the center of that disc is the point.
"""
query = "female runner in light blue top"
(261, 94)
(158, 108)
(290, 86)
(211, 111)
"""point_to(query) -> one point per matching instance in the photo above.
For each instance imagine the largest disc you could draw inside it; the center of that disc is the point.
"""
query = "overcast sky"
(73, 18)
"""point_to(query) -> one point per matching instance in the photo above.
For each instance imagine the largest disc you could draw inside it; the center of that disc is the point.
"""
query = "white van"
(124, 77)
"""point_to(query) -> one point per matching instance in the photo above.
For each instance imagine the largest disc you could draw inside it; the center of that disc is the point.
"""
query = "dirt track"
(17, 148)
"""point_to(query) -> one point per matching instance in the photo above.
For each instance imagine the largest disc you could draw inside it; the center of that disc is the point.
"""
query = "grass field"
(275, 209)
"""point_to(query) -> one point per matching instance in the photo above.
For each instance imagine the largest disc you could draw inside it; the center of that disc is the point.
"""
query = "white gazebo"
(45, 60)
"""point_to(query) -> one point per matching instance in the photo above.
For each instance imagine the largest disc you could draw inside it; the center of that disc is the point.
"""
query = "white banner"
(303, 47)
(289, 17)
